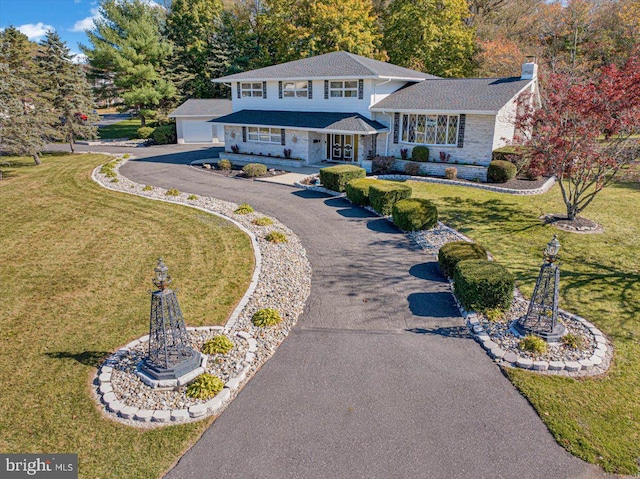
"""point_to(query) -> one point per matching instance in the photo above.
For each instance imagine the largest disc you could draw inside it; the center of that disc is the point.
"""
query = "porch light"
(162, 278)
(553, 247)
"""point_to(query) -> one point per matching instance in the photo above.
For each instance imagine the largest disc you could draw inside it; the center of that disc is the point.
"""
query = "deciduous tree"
(584, 131)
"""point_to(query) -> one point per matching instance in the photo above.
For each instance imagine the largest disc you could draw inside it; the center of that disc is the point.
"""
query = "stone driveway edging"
(598, 363)
(510, 191)
(131, 415)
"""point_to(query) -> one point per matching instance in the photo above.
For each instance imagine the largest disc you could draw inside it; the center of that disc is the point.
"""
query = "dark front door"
(342, 147)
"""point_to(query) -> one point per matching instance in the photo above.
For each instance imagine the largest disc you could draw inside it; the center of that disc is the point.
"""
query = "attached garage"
(192, 121)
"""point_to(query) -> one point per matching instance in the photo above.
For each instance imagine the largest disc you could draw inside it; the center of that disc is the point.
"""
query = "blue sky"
(67, 17)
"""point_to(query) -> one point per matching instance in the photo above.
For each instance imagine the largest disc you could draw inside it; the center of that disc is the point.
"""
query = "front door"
(342, 148)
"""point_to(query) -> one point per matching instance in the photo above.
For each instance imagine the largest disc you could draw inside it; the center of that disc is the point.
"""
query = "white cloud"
(86, 23)
(35, 32)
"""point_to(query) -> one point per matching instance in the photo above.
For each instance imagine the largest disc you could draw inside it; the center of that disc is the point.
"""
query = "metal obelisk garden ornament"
(542, 316)
(170, 353)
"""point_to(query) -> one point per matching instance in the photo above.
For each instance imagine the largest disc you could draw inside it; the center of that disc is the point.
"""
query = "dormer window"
(295, 89)
(343, 89)
(251, 90)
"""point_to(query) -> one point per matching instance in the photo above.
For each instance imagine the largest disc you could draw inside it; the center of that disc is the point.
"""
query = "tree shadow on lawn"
(507, 217)
(88, 358)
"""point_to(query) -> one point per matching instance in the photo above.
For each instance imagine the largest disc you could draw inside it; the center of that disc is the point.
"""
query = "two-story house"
(346, 108)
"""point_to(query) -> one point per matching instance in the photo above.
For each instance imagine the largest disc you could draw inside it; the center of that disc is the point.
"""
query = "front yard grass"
(123, 129)
(597, 419)
(76, 266)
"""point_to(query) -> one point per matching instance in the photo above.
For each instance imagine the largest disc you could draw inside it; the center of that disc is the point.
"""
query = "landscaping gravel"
(283, 284)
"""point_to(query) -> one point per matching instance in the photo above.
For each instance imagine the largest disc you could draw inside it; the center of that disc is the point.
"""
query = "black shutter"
(326, 89)
(374, 145)
(264, 90)
(396, 127)
(282, 139)
(280, 90)
(360, 89)
(461, 121)
(238, 88)
(310, 90)
(244, 134)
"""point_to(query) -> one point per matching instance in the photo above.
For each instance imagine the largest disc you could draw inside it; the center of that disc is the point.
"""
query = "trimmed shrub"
(358, 190)
(383, 165)
(205, 386)
(145, 132)
(533, 344)
(224, 164)
(276, 237)
(165, 134)
(500, 171)
(336, 177)
(451, 173)
(220, 344)
(253, 170)
(420, 153)
(172, 192)
(383, 196)
(412, 168)
(243, 209)
(415, 214)
(262, 221)
(451, 253)
(266, 317)
(481, 284)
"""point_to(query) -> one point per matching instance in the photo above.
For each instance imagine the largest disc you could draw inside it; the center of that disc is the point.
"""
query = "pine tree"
(128, 41)
(65, 85)
(430, 36)
(25, 115)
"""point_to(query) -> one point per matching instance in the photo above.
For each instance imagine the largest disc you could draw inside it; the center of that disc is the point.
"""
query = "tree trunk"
(71, 144)
(143, 120)
(36, 158)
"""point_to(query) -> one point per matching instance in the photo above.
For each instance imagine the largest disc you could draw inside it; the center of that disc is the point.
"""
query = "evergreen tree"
(68, 91)
(430, 36)
(200, 52)
(128, 41)
(25, 116)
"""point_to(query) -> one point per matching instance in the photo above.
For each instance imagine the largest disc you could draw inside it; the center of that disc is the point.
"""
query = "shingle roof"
(329, 65)
(206, 107)
(315, 120)
(459, 95)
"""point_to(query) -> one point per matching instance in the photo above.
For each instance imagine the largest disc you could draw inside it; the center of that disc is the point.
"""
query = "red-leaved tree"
(585, 130)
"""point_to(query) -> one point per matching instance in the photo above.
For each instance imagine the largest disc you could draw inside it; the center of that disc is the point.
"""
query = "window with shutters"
(251, 89)
(430, 129)
(263, 135)
(343, 89)
(295, 89)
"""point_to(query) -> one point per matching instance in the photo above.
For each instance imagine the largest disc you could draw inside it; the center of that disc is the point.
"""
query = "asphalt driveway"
(379, 379)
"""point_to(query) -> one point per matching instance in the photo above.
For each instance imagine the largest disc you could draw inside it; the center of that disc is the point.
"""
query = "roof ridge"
(356, 58)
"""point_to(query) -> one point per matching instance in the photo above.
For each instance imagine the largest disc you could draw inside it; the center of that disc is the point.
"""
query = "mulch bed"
(577, 225)
(236, 172)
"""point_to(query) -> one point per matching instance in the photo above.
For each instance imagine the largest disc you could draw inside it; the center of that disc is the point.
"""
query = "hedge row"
(415, 214)
(383, 196)
(336, 177)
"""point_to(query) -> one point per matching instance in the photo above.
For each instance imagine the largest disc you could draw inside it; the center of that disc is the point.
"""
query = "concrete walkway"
(379, 379)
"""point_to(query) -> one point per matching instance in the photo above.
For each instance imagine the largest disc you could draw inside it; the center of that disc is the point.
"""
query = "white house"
(345, 108)
(193, 120)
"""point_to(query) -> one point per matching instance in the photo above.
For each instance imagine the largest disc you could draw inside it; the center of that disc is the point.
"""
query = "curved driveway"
(379, 378)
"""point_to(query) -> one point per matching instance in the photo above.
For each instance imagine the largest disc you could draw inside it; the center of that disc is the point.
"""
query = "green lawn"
(122, 129)
(595, 419)
(76, 266)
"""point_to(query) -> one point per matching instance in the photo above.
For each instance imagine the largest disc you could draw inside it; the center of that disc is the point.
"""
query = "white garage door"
(197, 131)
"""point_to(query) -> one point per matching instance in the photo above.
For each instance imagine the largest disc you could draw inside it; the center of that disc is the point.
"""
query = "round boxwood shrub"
(358, 190)
(414, 214)
(420, 153)
(224, 164)
(253, 170)
(205, 386)
(220, 344)
(266, 317)
(501, 171)
(336, 177)
(145, 132)
(383, 196)
(481, 284)
(451, 253)
(165, 134)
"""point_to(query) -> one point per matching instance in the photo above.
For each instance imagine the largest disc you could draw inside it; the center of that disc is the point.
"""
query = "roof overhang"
(434, 112)
(305, 78)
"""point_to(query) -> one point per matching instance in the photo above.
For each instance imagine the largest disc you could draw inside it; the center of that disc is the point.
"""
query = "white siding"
(505, 125)
(383, 88)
